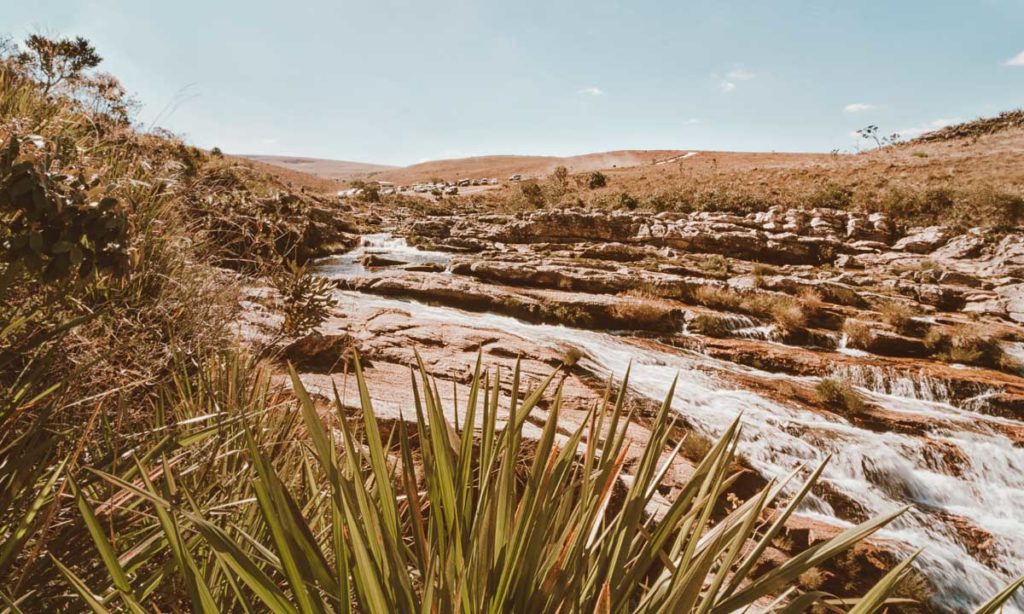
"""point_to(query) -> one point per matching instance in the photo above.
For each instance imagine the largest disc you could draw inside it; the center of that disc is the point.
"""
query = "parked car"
(516, 177)
(451, 190)
(464, 182)
(350, 193)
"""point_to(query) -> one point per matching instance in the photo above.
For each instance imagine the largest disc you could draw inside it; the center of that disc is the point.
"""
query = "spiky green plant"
(435, 516)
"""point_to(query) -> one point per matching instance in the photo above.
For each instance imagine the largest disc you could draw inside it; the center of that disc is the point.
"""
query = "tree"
(871, 133)
(559, 181)
(52, 62)
(597, 180)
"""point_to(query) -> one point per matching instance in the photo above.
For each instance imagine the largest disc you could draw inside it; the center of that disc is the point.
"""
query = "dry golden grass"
(291, 177)
(858, 334)
(973, 181)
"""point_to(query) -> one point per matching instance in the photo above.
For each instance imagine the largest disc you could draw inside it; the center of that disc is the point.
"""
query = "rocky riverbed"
(896, 351)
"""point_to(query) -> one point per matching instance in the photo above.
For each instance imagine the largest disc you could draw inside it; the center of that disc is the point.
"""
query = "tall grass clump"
(461, 509)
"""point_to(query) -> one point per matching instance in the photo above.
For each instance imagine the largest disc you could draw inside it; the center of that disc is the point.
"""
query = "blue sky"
(402, 81)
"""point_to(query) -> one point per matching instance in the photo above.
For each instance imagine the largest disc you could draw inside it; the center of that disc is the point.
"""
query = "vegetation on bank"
(148, 464)
(914, 182)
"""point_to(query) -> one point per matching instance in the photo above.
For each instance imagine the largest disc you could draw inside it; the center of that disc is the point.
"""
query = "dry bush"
(964, 344)
(715, 265)
(897, 314)
(718, 297)
(646, 314)
(696, 446)
(858, 334)
(839, 393)
(788, 314)
(811, 299)
(572, 355)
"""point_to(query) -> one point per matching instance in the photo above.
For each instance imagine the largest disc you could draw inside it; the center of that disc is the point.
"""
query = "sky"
(404, 81)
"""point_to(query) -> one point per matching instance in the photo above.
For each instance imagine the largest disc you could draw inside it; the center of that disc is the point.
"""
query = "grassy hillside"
(965, 175)
(331, 170)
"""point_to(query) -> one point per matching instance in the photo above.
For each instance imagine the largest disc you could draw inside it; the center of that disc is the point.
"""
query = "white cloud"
(858, 107)
(739, 74)
(591, 91)
(1017, 60)
(731, 80)
(268, 141)
(916, 131)
(691, 121)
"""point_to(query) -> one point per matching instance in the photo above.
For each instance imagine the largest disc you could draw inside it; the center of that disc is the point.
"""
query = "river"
(880, 471)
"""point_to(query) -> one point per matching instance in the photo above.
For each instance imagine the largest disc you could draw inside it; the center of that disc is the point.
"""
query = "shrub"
(216, 152)
(306, 299)
(839, 393)
(718, 297)
(830, 196)
(626, 201)
(897, 314)
(532, 194)
(646, 315)
(559, 180)
(935, 340)
(597, 180)
(696, 446)
(858, 334)
(811, 299)
(758, 271)
(715, 265)
(788, 314)
(965, 345)
(572, 355)
(841, 295)
(57, 225)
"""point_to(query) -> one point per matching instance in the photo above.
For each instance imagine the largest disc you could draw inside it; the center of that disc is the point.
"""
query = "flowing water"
(350, 264)
(980, 484)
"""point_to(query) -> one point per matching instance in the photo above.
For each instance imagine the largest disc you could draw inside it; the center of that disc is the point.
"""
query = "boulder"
(922, 240)
(376, 260)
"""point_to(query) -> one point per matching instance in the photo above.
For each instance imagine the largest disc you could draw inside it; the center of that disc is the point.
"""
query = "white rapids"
(350, 263)
(880, 471)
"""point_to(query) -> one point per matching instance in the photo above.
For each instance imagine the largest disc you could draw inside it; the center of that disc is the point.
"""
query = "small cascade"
(730, 324)
(907, 384)
(383, 244)
(735, 321)
(896, 382)
(767, 332)
(844, 348)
